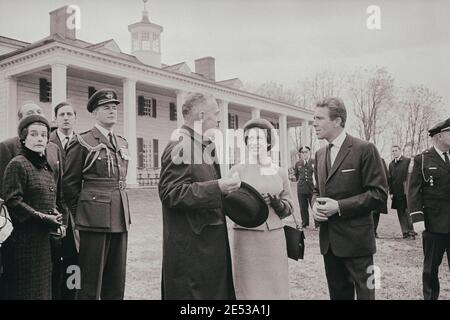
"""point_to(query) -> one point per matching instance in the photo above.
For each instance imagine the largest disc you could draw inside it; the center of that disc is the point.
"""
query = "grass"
(399, 260)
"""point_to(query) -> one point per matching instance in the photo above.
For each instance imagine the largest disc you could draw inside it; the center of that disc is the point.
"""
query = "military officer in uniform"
(304, 172)
(429, 203)
(95, 188)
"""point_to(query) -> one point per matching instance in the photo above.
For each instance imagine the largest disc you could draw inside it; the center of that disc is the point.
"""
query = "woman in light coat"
(260, 262)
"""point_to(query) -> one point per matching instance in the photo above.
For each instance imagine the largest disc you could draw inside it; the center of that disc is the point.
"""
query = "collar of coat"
(195, 135)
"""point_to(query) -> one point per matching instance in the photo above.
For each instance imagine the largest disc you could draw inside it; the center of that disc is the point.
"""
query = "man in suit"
(95, 190)
(304, 172)
(350, 184)
(66, 252)
(398, 173)
(196, 254)
(429, 205)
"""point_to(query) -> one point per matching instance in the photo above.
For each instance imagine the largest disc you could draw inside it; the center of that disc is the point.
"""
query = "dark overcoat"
(196, 254)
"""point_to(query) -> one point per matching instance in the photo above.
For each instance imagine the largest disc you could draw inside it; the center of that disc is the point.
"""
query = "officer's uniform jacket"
(94, 182)
(304, 174)
(429, 191)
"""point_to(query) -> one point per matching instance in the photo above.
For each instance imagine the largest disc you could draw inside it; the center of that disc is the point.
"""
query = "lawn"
(399, 260)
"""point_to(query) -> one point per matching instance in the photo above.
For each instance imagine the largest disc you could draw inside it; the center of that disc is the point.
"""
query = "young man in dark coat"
(350, 184)
(196, 253)
(66, 249)
(398, 174)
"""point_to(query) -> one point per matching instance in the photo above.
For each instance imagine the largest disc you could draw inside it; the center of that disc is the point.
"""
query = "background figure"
(64, 251)
(95, 190)
(31, 197)
(260, 253)
(398, 174)
(429, 201)
(383, 208)
(196, 261)
(350, 184)
(304, 173)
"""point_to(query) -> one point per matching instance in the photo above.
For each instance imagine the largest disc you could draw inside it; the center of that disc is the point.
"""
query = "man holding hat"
(95, 190)
(429, 204)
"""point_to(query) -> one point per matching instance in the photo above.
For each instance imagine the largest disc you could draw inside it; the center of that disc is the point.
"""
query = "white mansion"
(61, 67)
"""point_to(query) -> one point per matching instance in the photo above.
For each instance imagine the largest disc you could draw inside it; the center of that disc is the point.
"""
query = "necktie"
(66, 143)
(111, 140)
(447, 161)
(328, 160)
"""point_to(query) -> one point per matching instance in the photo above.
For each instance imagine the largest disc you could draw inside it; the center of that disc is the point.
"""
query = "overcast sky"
(262, 40)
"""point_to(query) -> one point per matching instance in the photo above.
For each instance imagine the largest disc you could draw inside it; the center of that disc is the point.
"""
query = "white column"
(284, 151)
(256, 113)
(306, 134)
(129, 115)
(181, 98)
(11, 107)
(59, 85)
(223, 150)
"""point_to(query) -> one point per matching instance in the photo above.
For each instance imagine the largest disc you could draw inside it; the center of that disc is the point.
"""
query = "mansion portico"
(64, 68)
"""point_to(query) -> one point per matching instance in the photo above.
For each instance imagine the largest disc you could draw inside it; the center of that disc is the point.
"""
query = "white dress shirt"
(62, 137)
(441, 153)
(337, 144)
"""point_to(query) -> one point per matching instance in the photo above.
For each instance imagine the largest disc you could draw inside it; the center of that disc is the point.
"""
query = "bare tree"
(370, 92)
(417, 112)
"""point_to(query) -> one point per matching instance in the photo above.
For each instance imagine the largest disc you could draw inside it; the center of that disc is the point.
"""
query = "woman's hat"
(25, 122)
(246, 207)
(258, 123)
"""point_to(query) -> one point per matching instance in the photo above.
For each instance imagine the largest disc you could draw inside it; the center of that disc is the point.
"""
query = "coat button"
(51, 189)
(93, 198)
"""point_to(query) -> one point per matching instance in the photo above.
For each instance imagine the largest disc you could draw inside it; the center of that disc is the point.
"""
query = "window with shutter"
(155, 154)
(141, 102)
(236, 124)
(153, 108)
(173, 111)
(140, 152)
(45, 90)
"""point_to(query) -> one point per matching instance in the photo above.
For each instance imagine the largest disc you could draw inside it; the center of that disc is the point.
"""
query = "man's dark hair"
(63, 104)
(336, 108)
(304, 147)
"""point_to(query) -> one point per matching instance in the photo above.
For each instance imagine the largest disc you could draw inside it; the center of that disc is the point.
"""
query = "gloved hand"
(51, 220)
(276, 203)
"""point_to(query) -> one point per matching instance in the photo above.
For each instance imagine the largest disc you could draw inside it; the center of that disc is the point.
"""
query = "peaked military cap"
(440, 127)
(102, 97)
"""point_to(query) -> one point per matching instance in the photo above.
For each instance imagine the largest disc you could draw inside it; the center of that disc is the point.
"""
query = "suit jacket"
(95, 196)
(196, 256)
(398, 174)
(429, 192)
(304, 175)
(12, 147)
(359, 184)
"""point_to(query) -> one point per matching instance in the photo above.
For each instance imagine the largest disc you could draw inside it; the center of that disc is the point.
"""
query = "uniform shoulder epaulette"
(119, 136)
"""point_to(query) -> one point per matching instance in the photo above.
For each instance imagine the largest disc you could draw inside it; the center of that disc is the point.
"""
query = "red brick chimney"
(61, 21)
(206, 67)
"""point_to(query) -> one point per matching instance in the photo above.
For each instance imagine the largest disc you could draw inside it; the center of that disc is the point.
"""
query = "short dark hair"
(304, 147)
(63, 104)
(267, 132)
(336, 108)
(396, 146)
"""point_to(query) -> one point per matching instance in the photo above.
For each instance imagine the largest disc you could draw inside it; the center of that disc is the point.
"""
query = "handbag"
(6, 226)
(295, 241)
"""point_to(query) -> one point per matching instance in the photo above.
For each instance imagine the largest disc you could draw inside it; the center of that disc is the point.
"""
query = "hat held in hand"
(246, 207)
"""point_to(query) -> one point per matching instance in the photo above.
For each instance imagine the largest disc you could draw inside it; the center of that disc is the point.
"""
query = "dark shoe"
(412, 237)
(405, 236)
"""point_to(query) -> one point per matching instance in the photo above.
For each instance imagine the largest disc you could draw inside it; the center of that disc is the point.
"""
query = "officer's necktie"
(111, 140)
(66, 143)
(447, 161)
(328, 160)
